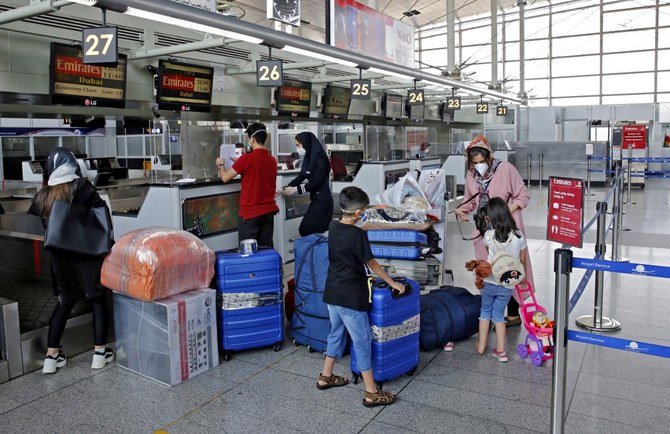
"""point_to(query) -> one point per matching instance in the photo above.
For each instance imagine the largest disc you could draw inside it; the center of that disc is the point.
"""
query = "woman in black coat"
(74, 275)
(313, 179)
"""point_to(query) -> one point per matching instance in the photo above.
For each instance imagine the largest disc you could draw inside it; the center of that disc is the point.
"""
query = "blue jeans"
(356, 322)
(494, 302)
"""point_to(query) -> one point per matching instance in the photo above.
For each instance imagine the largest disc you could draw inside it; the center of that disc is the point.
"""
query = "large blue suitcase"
(394, 320)
(397, 244)
(249, 289)
(310, 324)
(448, 314)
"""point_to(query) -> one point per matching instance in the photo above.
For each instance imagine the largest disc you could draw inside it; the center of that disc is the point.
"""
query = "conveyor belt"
(36, 301)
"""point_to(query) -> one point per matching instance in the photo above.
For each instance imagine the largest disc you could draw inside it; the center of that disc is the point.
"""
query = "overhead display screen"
(393, 107)
(184, 87)
(336, 101)
(293, 98)
(73, 82)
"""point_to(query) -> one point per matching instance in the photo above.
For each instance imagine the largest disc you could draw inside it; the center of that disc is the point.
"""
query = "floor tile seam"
(456, 413)
(386, 423)
(579, 373)
(497, 375)
(65, 386)
(647, 405)
(615, 421)
(13, 408)
(484, 394)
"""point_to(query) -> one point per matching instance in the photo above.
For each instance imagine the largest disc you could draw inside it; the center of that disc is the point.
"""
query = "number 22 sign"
(100, 45)
(269, 73)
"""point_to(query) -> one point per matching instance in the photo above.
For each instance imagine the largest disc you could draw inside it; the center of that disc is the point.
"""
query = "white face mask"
(481, 168)
(301, 152)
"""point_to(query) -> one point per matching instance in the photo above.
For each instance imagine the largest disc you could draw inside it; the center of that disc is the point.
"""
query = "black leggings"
(62, 313)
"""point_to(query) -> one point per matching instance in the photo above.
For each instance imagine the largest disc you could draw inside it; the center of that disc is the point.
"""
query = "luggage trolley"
(539, 342)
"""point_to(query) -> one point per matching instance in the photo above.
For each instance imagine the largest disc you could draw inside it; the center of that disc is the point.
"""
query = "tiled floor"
(265, 391)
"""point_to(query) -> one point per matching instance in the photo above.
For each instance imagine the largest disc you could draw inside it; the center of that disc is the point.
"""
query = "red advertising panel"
(634, 136)
(565, 218)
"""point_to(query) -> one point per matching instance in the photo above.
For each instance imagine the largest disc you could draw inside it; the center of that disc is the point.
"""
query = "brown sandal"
(379, 398)
(332, 381)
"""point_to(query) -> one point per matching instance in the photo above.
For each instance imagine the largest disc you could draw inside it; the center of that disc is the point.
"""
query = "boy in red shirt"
(257, 199)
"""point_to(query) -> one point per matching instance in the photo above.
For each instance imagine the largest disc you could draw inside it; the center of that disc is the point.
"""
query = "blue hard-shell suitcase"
(394, 320)
(397, 244)
(310, 324)
(249, 290)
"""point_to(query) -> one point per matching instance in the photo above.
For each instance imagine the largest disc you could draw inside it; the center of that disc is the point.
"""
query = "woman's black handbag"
(79, 229)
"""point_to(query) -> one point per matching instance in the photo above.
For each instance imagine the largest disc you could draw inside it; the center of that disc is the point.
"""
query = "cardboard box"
(168, 340)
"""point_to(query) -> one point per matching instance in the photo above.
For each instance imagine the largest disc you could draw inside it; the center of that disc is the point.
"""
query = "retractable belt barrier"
(564, 262)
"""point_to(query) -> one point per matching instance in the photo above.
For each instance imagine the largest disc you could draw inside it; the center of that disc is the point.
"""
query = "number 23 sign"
(100, 45)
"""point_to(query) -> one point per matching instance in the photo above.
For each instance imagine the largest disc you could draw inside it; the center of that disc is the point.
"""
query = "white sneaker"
(101, 358)
(52, 363)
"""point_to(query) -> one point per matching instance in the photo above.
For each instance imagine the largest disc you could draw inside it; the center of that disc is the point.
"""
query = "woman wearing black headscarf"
(313, 179)
(74, 275)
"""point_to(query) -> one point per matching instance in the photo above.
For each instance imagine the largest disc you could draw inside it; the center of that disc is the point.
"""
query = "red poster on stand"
(634, 136)
(565, 218)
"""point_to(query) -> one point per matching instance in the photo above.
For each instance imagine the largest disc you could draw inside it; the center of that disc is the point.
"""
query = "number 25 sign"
(100, 45)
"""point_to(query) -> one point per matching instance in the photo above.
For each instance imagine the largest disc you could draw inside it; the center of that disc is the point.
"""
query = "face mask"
(301, 152)
(481, 168)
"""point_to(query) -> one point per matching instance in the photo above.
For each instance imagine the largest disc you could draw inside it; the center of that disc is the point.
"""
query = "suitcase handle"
(394, 294)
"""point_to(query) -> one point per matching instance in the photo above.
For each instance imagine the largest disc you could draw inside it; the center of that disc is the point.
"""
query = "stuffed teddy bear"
(542, 321)
(482, 270)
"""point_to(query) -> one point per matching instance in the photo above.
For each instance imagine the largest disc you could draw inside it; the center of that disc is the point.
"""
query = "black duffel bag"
(448, 314)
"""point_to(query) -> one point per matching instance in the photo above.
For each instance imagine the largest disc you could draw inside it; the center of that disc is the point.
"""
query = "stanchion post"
(597, 322)
(615, 212)
(541, 168)
(588, 175)
(562, 268)
(528, 170)
(622, 226)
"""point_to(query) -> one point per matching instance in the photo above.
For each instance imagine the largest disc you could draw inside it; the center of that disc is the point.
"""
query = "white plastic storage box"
(168, 340)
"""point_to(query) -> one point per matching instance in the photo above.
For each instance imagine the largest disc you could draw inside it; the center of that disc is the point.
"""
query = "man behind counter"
(257, 199)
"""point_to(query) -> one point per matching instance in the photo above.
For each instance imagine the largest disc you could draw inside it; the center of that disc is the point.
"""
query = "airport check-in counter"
(287, 221)
(373, 177)
(427, 163)
(206, 208)
(454, 165)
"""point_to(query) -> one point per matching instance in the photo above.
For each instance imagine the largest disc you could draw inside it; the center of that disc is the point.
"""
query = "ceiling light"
(320, 56)
(394, 74)
(85, 2)
(191, 26)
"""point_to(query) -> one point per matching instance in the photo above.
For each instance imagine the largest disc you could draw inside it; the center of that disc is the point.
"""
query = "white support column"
(494, 43)
(522, 49)
(451, 36)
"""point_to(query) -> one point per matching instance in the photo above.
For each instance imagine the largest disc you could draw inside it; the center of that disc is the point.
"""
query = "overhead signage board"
(293, 98)
(100, 46)
(565, 218)
(360, 89)
(73, 82)
(482, 108)
(501, 110)
(269, 73)
(415, 97)
(634, 136)
(184, 87)
(361, 29)
(453, 103)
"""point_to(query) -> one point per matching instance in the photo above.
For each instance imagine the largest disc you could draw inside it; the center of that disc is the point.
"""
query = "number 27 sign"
(100, 45)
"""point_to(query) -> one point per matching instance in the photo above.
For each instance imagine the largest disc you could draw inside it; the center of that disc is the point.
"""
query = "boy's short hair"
(353, 199)
(258, 131)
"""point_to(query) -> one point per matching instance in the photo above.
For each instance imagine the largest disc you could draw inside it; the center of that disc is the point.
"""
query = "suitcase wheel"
(309, 349)
(296, 344)
(226, 355)
(380, 386)
(411, 372)
(354, 378)
(277, 346)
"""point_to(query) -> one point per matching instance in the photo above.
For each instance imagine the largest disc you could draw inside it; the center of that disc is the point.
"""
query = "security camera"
(152, 69)
(156, 114)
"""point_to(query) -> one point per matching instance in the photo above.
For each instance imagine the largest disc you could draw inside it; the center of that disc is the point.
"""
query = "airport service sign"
(565, 217)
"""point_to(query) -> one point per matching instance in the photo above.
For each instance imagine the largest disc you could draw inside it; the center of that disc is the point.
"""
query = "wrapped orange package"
(154, 263)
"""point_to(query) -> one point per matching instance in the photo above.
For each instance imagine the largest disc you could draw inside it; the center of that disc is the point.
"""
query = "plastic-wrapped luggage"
(398, 244)
(154, 263)
(425, 271)
(394, 319)
(310, 324)
(249, 300)
(448, 314)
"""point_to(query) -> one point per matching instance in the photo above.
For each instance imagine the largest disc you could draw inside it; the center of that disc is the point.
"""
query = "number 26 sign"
(269, 73)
